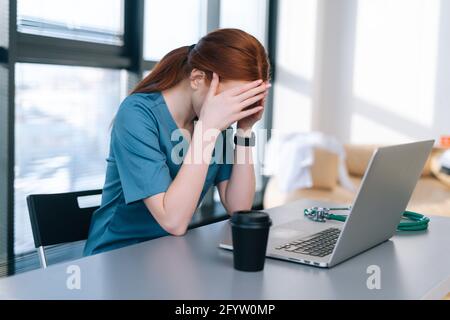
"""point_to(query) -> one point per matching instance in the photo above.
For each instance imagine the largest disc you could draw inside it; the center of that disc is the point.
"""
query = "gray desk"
(413, 266)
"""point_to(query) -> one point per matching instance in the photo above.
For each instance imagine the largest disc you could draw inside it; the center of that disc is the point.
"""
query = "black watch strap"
(245, 141)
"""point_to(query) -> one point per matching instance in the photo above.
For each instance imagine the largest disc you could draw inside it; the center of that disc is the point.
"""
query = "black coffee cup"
(250, 231)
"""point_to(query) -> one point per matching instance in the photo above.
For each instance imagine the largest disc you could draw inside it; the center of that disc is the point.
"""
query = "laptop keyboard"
(317, 245)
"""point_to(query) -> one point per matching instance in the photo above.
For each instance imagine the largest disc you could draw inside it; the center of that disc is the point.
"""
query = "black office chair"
(58, 219)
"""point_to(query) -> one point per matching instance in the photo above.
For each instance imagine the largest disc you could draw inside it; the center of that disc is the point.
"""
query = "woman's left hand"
(247, 124)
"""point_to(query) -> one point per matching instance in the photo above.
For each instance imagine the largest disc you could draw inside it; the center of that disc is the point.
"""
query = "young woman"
(200, 91)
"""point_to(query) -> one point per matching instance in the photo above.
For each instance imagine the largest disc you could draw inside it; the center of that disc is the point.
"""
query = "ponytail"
(170, 71)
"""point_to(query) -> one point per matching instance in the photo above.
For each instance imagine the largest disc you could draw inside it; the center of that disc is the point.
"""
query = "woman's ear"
(197, 79)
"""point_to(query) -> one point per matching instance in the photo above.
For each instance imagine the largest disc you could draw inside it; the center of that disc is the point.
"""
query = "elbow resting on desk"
(177, 231)
(174, 215)
(173, 227)
(174, 219)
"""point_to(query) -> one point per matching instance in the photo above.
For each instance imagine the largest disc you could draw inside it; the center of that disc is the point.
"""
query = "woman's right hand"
(219, 111)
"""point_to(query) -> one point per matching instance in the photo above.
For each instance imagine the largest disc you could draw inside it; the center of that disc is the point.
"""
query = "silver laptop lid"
(383, 197)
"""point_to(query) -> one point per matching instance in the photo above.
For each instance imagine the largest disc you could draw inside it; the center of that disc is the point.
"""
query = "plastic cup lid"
(251, 218)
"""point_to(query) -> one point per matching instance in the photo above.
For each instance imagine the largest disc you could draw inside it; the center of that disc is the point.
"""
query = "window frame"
(30, 48)
(7, 117)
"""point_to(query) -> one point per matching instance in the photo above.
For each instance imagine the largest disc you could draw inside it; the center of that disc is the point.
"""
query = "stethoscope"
(415, 221)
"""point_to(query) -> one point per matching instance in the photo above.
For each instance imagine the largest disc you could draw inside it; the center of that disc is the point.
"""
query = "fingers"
(214, 86)
(253, 92)
(252, 100)
(241, 89)
(249, 112)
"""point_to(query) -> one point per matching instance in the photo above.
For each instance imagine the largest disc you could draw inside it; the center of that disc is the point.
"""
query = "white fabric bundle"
(289, 157)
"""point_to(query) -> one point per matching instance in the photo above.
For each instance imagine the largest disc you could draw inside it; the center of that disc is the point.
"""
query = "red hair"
(231, 53)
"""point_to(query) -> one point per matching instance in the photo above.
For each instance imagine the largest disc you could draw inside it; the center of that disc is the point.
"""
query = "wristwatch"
(245, 141)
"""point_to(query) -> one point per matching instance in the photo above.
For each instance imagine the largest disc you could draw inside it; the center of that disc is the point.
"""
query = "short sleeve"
(226, 156)
(142, 166)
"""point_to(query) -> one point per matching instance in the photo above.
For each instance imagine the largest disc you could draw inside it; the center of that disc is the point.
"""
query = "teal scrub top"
(140, 165)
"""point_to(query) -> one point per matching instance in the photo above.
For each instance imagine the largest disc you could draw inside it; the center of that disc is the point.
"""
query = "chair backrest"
(58, 218)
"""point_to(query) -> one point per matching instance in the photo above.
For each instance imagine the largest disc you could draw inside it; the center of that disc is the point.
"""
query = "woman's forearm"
(181, 199)
(240, 190)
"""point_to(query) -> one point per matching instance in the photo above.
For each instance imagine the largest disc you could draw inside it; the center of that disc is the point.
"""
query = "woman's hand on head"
(247, 123)
(219, 111)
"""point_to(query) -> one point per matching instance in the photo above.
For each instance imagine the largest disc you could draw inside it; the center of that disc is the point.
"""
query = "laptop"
(383, 196)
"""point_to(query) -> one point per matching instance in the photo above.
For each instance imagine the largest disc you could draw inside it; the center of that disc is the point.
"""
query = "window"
(295, 65)
(167, 28)
(248, 15)
(61, 135)
(395, 70)
(87, 20)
